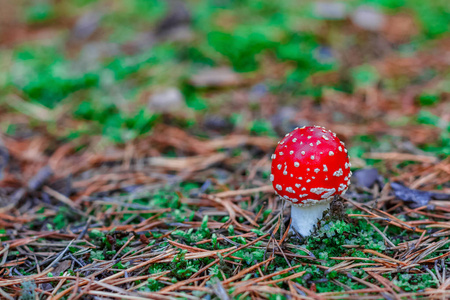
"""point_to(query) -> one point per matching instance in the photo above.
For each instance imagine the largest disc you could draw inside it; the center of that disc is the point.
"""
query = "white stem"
(305, 218)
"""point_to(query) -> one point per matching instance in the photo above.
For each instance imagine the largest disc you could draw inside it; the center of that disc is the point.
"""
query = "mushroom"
(309, 167)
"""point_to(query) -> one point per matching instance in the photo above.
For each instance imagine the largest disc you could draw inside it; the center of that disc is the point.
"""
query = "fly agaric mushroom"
(309, 167)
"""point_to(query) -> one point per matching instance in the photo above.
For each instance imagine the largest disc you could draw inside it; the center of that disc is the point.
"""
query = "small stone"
(165, 101)
(86, 25)
(216, 77)
(368, 18)
(330, 10)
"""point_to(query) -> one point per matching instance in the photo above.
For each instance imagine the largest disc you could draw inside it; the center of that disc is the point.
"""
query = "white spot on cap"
(279, 187)
(346, 165)
(325, 138)
(340, 148)
(291, 152)
(303, 152)
(281, 153)
(279, 166)
(303, 189)
(318, 191)
(296, 164)
(290, 190)
(309, 180)
(284, 172)
(292, 175)
(287, 134)
(273, 156)
(302, 195)
(294, 140)
(300, 178)
(338, 173)
(326, 178)
(325, 168)
(331, 153)
(309, 136)
(308, 169)
(298, 185)
(345, 150)
(272, 177)
(318, 143)
(312, 157)
(313, 177)
(342, 187)
(346, 178)
(311, 144)
(317, 170)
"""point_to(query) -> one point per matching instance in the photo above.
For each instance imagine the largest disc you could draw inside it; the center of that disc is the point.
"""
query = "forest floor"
(135, 159)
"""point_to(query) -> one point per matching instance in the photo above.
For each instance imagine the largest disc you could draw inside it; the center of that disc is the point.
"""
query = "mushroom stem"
(304, 218)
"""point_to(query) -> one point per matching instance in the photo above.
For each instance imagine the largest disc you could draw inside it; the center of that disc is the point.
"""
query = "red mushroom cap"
(310, 165)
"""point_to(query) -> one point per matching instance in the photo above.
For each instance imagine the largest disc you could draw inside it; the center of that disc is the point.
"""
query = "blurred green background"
(377, 72)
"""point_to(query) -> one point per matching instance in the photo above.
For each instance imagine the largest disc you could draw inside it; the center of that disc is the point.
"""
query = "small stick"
(58, 258)
(381, 233)
(228, 254)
